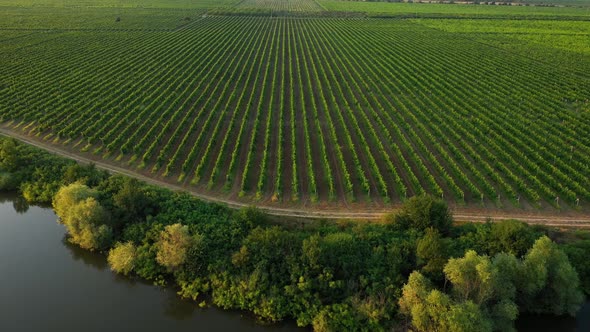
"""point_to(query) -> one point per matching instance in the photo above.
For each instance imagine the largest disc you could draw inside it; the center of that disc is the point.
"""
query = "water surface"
(47, 284)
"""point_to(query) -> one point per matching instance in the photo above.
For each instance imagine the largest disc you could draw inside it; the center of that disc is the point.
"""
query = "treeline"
(413, 269)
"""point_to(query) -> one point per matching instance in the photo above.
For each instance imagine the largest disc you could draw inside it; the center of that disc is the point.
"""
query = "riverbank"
(125, 301)
(69, 288)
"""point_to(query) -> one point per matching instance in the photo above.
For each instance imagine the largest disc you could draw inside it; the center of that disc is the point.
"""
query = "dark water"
(46, 284)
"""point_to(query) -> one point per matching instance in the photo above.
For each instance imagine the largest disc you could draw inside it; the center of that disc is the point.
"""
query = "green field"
(454, 10)
(254, 101)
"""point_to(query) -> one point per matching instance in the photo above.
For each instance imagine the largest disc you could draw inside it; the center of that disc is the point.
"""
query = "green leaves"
(486, 294)
(553, 284)
(87, 222)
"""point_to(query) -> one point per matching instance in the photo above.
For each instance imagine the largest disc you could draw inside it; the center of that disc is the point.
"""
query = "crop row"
(293, 109)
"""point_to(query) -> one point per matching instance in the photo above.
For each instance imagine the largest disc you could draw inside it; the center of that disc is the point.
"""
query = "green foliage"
(192, 288)
(578, 253)
(332, 276)
(337, 317)
(173, 245)
(432, 253)
(423, 212)
(262, 265)
(87, 222)
(250, 217)
(85, 174)
(68, 196)
(122, 257)
(490, 293)
(472, 277)
(132, 202)
(8, 182)
(9, 160)
(553, 284)
(87, 227)
(510, 236)
(433, 310)
(44, 183)
(146, 265)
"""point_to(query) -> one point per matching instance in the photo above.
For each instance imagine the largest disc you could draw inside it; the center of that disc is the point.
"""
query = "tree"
(422, 212)
(9, 159)
(552, 286)
(122, 257)
(68, 196)
(414, 293)
(577, 253)
(336, 317)
(432, 253)
(250, 217)
(86, 174)
(173, 245)
(511, 236)
(489, 283)
(433, 310)
(86, 223)
(85, 219)
(131, 200)
(472, 277)
(468, 317)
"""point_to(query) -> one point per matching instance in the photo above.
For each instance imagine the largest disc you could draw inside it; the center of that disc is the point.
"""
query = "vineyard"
(305, 111)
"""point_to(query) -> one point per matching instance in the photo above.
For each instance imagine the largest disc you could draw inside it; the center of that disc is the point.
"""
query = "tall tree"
(553, 284)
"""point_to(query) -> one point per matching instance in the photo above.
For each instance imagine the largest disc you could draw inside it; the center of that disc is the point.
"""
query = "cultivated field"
(293, 109)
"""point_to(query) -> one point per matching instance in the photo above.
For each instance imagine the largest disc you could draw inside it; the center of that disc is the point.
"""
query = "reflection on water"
(89, 258)
(19, 204)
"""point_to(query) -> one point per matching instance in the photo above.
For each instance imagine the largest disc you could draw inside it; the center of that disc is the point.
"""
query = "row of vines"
(308, 110)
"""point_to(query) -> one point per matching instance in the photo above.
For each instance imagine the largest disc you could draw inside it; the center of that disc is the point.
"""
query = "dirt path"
(578, 220)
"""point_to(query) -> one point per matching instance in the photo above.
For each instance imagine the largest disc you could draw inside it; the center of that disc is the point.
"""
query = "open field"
(455, 10)
(287, 111)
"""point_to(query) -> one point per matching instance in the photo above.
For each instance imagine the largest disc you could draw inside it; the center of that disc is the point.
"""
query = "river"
(47, 284)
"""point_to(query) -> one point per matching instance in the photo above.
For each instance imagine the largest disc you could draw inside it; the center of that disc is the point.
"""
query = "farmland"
(294, 109)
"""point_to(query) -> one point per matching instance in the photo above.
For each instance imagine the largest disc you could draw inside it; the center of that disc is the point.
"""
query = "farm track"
(461, 215)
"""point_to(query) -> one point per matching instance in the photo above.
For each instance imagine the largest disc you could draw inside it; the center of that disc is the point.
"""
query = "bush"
(9, 158)
(86, 223)
(67, 197)
(552, 285)
(423, 212)
(173, 246)
(122, 257)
